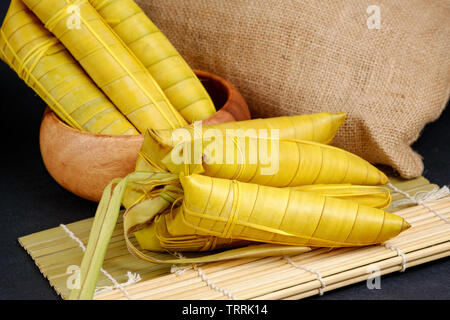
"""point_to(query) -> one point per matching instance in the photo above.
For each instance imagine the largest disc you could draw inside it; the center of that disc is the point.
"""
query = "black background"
(31, 201)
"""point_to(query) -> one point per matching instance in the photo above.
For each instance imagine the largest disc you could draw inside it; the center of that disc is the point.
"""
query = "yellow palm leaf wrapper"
(205, 213)
(219, 213)
(110, 64)
(45, 65)
(319, 127)
(180, 84)
(267, 161)
(370, 196)
(165, 190)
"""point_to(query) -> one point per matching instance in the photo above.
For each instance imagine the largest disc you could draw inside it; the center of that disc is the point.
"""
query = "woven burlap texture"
(292, 57)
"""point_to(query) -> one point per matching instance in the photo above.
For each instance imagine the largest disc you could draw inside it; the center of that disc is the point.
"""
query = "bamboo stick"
(218, 272)
(382, 249)
(313, 278)
(365, 277)
(244, 289)
(390, 253)
(272, 279)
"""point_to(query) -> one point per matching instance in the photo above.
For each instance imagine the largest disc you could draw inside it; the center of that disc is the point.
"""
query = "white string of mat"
(180, 270)
(399, 253)
(211, 284)
(421, 198)
(132, 277)
(310, 270)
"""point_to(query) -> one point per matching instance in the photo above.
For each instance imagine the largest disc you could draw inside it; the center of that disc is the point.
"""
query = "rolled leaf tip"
(405, 225)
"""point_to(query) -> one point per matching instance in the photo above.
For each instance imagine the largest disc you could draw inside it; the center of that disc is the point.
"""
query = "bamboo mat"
(292, 277)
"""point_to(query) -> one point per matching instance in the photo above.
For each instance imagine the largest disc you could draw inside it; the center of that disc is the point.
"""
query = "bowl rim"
(51, 115)
(225, 83)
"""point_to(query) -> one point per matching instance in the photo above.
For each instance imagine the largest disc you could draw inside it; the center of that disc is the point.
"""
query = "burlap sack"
(293, 57)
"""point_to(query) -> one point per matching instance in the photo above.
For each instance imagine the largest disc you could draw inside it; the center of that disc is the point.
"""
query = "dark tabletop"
(31, 201)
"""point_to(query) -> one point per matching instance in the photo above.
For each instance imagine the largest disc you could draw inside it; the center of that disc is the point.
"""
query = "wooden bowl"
(84, 163)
